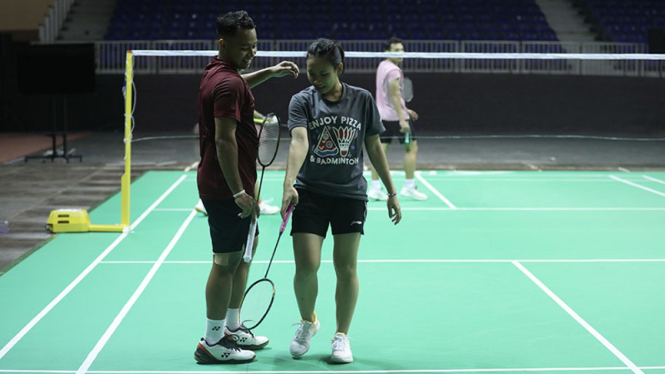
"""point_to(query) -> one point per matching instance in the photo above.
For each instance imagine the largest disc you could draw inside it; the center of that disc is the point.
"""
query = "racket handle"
(289, 210)
(250, 241)
(407, 137)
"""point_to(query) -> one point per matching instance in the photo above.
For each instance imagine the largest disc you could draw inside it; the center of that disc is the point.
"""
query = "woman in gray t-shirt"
(330, 123)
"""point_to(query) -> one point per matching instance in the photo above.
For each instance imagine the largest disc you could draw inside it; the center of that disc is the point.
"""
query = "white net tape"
(423, 55)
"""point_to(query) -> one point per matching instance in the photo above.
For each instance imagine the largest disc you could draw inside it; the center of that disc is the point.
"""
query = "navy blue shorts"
(315, 212)
(227, 231)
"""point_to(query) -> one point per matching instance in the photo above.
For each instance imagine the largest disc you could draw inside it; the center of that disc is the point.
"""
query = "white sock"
(232, 319)
(376, 185)
(409, 184)
(214, 330)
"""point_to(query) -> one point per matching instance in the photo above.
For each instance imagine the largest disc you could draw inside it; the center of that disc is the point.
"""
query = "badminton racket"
(407, 91)
(269, 136)
(259, 297)
(407, 86)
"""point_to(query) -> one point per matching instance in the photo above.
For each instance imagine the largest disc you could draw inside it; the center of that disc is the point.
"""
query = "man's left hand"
(285, 68)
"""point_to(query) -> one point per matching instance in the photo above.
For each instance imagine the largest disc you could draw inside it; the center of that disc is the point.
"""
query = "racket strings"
(269, 141)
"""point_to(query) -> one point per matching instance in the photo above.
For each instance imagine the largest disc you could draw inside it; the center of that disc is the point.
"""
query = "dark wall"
(447, 104)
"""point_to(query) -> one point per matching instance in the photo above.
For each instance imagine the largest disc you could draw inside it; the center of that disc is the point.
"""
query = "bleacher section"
(625, 21)
(508, 20)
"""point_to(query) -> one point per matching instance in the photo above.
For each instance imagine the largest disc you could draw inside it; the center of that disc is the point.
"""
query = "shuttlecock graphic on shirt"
(326, 146)
(345, 136)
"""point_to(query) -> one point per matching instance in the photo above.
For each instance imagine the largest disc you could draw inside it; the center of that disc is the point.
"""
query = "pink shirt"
(386, 72)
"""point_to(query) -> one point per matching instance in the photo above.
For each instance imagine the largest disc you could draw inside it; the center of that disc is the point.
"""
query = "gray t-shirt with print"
(336, 132)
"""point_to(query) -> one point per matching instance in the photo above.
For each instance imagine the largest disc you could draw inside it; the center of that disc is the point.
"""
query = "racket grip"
(407, 137)
(289, 210)
(247, 257)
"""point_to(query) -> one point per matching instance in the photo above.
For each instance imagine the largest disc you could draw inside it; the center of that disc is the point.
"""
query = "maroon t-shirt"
(224, 93)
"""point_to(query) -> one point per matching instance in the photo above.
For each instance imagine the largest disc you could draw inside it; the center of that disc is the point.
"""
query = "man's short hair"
(229, 23)
(391, 41)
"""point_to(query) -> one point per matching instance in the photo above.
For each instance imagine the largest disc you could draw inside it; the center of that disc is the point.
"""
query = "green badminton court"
(498, 271)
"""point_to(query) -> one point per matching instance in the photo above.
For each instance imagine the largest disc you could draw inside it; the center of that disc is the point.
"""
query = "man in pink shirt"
(398, 121)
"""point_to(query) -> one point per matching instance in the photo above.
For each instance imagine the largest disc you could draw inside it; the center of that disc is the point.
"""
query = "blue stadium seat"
(367, 19)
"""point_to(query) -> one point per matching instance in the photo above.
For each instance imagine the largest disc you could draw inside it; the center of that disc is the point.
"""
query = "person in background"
(398, 121)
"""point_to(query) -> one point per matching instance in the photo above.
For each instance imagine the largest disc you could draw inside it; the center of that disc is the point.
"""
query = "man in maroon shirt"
(226, 179)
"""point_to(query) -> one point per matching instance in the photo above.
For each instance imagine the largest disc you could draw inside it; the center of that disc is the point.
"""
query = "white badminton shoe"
(267, 208)
(300, 343)
(341, 349)
(245, 339)
(201, 208)
(377, 195)
(225, 351)
(413, 193)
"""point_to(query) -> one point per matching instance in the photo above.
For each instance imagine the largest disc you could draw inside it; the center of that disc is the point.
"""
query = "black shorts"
(315, 212)
(392, 131)
(227, 231)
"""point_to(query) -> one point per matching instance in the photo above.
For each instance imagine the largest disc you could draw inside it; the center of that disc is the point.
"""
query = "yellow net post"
(72, 220)
(127, 176)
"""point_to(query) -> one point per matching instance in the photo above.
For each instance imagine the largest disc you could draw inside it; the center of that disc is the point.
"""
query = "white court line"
(600, 179)
(637, 185)
(85, 272)
(403, 261)
(434, 191)
(502, 370)
(130, 303)
(544, 209)
(579, 319)
(654, 179)
(192, 166)
(36, 371)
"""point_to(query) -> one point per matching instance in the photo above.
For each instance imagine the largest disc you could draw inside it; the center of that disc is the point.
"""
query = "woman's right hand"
(290, 194)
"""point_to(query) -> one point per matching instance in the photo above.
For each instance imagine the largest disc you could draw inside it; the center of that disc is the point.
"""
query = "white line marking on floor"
(192, 166)
(435, 191)
(654, 179)
(135, 296)
(441, 261)
(487, 370)
(174, 210)
(543, 209)
(637, 185)
(85, 272)
(579, 319)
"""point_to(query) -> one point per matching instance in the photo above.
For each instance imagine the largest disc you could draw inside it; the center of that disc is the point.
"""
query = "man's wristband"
(392, 194)
(237, 195)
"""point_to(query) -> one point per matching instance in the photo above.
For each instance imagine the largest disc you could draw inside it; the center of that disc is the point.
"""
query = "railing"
(111, 57)
(53, 20)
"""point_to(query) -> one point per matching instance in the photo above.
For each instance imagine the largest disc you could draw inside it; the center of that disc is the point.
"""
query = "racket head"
(407, 86)
(256, 302)
(269, 138)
